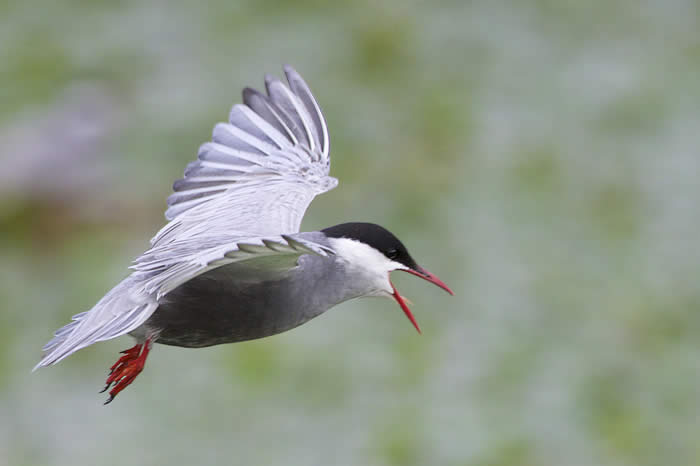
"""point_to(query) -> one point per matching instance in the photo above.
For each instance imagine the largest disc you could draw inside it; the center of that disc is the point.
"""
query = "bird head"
(371, 252)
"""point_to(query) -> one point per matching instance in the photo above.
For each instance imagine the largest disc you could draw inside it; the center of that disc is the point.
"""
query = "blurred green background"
(542, 157)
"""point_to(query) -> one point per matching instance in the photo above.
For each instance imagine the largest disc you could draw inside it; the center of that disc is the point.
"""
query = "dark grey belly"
(234, 303)
(217, 308)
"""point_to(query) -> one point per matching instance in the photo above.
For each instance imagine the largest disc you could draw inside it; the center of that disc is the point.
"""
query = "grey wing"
(261, 170)
(163, 268)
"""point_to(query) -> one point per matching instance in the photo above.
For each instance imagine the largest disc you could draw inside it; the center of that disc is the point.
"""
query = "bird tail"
(119, 312)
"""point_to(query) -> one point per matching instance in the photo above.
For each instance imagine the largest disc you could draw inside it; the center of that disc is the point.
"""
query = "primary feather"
(261, 170)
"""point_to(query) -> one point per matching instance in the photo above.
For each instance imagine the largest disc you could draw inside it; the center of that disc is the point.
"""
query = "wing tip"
(249, 93)
(293, 75)
(289, 70)
(269, 80)
(50, 358)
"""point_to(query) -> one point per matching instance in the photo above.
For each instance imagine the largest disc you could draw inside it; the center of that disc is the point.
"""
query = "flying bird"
(231, 264)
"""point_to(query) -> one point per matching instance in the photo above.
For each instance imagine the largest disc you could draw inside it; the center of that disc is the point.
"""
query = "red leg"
(125, 370)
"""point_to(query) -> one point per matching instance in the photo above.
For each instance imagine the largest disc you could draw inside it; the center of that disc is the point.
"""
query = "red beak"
(425, 275)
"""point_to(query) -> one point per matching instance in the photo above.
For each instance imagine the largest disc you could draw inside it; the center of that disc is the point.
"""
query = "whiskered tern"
(231, 264)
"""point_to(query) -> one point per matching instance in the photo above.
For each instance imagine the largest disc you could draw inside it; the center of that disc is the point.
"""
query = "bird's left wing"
(163, 268)
(261, 170)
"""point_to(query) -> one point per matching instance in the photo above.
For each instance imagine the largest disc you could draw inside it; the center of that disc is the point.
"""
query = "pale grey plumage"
(241, 202)
(254, 298)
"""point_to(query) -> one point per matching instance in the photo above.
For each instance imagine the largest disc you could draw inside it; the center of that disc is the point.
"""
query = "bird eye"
(392, 254)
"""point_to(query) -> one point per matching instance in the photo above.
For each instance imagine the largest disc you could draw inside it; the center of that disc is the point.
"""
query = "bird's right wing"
(261, 170)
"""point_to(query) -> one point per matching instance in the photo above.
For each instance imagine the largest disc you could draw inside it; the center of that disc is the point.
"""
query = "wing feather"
(164, 268)
(291, 106)
(261, 105)
(300, 88)
(246, 119)
(271, 156)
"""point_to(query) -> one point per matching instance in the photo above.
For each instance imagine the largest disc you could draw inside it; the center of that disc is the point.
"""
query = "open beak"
(425, 275)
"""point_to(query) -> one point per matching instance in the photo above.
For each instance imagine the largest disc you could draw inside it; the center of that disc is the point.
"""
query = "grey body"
(234, 303)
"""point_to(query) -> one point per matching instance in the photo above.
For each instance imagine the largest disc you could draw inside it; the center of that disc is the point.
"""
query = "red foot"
(125, 370)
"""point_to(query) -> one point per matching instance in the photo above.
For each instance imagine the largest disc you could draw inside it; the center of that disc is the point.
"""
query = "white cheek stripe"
(368, 264)
(360, 254)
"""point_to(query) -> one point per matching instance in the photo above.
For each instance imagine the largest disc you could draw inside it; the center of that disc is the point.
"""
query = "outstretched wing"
(261, 170)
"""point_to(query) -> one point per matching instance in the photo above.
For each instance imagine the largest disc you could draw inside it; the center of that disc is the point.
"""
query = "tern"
(231, 264)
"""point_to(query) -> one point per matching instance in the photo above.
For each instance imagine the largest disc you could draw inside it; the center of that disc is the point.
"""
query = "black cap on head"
(375, 236)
